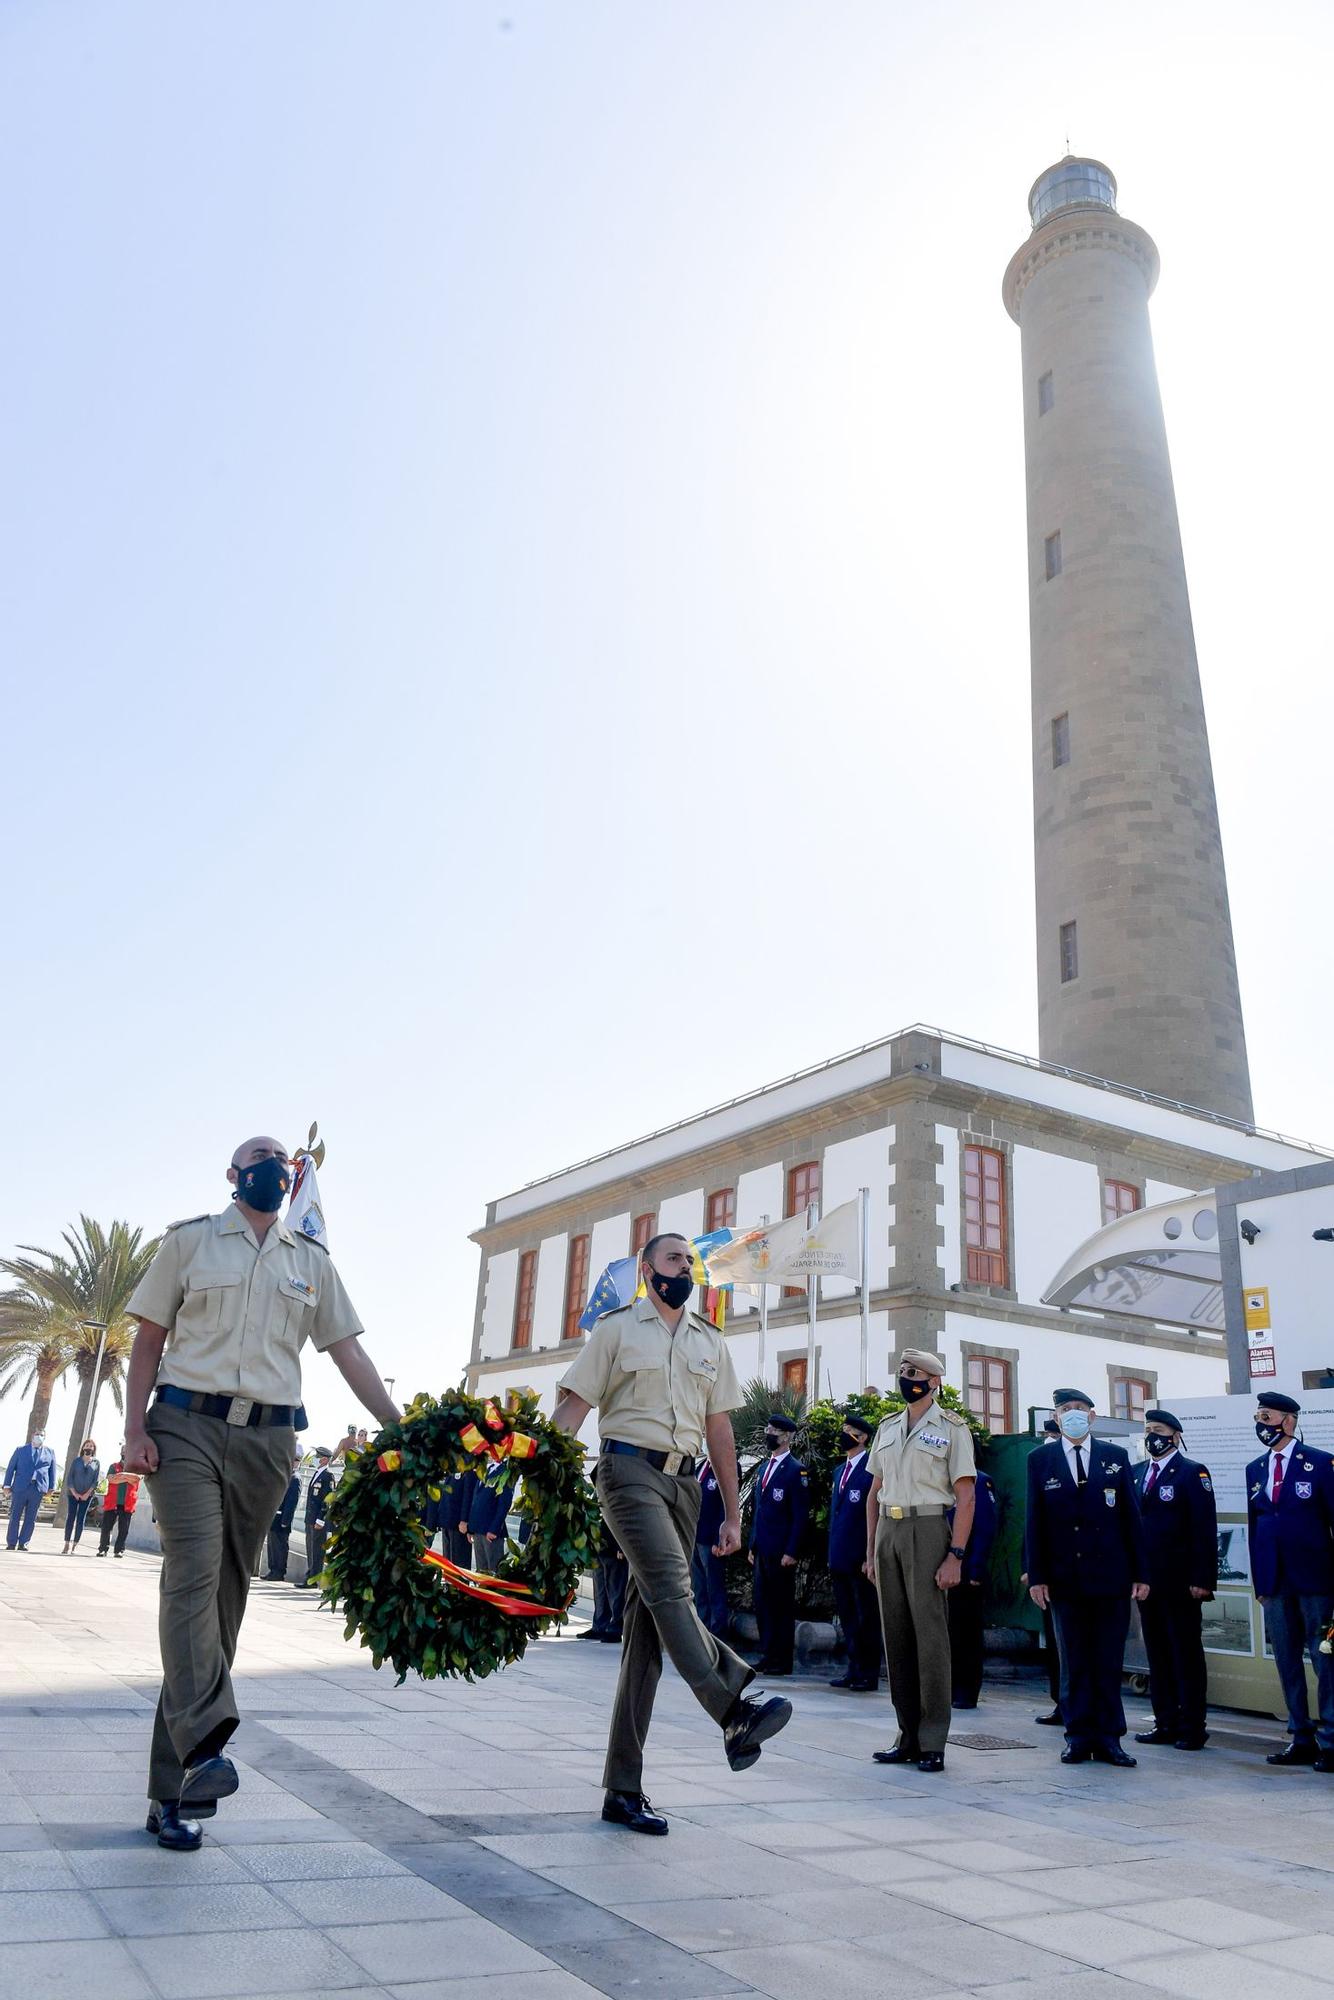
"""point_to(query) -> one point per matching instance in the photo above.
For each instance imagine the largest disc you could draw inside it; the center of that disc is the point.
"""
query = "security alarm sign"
(1262, 1361)
(1257, 1309)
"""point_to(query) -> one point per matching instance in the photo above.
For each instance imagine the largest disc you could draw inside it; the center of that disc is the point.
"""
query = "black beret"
(866, 1425)
(1059, 1396)
(775, 1422)
(1270, 1399)
(323, 1451)
(1164, 1417)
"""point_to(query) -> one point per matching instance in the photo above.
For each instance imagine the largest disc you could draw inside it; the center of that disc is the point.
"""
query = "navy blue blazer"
(781, 1509)
(711, 1509)
(1085, 1542)
(847, 1516)
(1292, 1545)
(982, 1537)
(459, 1497)
(488, 1508)
(286, 1513)
(317, 1495)
(1180, 1519)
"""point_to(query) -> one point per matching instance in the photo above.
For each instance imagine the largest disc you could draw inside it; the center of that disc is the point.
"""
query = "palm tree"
(53, 1321)
(760, 1401)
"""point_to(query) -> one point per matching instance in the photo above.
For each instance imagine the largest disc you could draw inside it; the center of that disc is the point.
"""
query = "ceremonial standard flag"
(790, 1250)
(305, 1212)
(618, 1284)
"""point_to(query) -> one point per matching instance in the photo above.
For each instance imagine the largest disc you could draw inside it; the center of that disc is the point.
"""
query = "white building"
(985, 1170)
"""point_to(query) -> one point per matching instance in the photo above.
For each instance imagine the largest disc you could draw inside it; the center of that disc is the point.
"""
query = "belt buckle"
(896, 1513)
(239, 1412)
(672, 1461)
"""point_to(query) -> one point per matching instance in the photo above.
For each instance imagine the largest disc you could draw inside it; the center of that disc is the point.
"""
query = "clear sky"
(512, 570)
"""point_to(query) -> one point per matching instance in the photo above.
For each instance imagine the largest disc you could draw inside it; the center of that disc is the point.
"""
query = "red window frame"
(793, 1375)
(641, 1232)
(525, 1293)
(803, 1190)
(986, 1222)
(720, 1210)
(576, 1285)
(1131, 1396)
(989, 1391)
(1119, 1198)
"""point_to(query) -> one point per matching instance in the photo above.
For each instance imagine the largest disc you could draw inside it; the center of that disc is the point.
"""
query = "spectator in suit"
(1180, 1516)
(1290, 1507)
(708, 1578)
(781, 1509)
(1051, 1656)
(1085, 1556)
(855, 1600)
(487, 1511)
(280, 1532)
(610, 1576)
(31, 1472)
(455, 1499)
(965, 1604)
(317, 1526)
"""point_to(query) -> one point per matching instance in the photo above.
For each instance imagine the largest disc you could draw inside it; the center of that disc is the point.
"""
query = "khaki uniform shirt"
(652, 1387)
(918, 1468)
(236, 1311)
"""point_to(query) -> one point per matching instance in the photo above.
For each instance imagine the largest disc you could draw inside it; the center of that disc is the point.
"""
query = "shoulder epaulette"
(951, 1416)
(185, 1222)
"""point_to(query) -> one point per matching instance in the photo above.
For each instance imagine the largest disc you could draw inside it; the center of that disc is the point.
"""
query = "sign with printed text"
(1262, 1361)
(1257, 1309)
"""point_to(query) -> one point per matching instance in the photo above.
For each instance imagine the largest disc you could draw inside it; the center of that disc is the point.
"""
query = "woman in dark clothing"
(80, 1487)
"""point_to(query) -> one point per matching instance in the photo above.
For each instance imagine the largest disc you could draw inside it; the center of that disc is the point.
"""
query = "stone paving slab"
(405, 1843)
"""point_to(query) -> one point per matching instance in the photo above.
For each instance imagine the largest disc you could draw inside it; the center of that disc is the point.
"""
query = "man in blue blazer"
(1290, 1507)
(1085, 1556)
(965, 1605)
(855, 1600)
(30, 1473)
(1180, 1519)
(487, 1512)
(781, 1508)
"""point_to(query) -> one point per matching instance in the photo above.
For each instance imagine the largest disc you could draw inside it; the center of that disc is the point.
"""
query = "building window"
(988, 1393)
(803, 1191)
(641, 1233)
(1118, 1198)
(1046, 397)
(720, 1210)
(984, 1216)
(1060, 741)
(576, 1286)
(794, 1376)
(1069, 954)
(1131, 1396)
(523, 1300)
(1052, 548)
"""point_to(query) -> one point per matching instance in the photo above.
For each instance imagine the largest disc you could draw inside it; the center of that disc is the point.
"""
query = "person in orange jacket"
(122, 1497)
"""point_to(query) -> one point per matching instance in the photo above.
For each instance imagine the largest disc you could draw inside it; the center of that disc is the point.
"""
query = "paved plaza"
(412, 1841)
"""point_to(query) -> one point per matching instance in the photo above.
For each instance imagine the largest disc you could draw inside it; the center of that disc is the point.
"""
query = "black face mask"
(672, 1291)
(1270, 1433)
(850, 1442)
(775, 1439)
(263, 1186)
(912, 1391)
(1158, 1445)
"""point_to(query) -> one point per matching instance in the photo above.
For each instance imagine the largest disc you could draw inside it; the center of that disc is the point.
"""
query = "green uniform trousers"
(216, 1489)
(914, 1617)
(652, 1515)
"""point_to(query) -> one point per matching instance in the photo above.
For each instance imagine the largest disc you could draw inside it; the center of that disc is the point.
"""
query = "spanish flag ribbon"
(501, 1593)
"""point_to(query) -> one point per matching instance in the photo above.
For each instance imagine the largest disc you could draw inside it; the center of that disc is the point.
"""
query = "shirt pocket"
(212, 1299)
(647, 1368)
(297, 1300)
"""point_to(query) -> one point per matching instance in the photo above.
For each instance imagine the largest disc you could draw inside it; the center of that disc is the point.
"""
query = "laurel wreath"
(414, 1608)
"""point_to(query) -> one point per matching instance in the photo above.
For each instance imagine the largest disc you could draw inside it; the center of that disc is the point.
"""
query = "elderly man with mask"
(1290, 1508)
(1180, 1516)
(31, 1472)
(1085, 1556)
(223, 1311)
(922, 1465)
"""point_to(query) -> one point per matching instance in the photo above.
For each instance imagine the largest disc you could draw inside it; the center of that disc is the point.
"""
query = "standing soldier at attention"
(782, 1507)
(1290, 1508)
(854, 1595)
(922, 1465)
(223, 1311)
(663, 1384)
(322, 1483)
(1180, 1517)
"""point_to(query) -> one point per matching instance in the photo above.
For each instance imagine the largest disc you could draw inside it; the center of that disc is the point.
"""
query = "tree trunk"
(41, 1401)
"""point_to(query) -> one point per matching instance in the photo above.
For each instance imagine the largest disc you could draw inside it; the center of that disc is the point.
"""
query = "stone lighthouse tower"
(1137, 976)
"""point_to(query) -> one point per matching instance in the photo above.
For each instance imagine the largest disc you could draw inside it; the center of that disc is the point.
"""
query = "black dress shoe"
(590, 1634)
(211, 1779)
(181, 1835)
(750, 1724)
(1112, 1753)
(1053, 1721)
(1075, 1754)
(1156, 1735)
(632, 1809)
(1296, 1753)
(931, 1760)
(1193, 1742)
(845, 1682)
(610, 1638)
(1324, 1761)
(902, 1753)
(863, 1687)
(959, 1702)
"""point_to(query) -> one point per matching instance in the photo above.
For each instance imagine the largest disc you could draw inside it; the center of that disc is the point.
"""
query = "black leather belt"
(679, 1463)
(243, 1411)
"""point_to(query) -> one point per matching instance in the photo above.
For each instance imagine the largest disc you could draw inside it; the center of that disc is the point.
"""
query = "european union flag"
(616, 1287)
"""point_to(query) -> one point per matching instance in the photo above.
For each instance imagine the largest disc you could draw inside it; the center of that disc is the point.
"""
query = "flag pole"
(813, 1297)
(764, 1313)
(866, 1286)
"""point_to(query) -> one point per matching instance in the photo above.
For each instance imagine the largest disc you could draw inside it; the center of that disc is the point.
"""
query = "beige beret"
(921, 1357)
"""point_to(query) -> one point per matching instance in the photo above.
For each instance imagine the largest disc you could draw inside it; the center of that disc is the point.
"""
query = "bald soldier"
(223, 1311)
(663, 1384)
(921, 1466)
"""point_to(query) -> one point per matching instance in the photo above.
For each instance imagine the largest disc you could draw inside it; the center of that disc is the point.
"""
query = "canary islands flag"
(620, 1283)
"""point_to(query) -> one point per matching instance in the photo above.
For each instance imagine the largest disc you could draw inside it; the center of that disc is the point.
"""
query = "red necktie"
(1149, 1482)
(1278, 1478)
